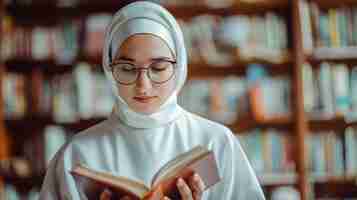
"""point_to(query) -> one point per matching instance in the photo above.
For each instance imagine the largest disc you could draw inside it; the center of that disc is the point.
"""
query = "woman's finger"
(166, 198)
(184, 190)
(105, 195)
(197, 186)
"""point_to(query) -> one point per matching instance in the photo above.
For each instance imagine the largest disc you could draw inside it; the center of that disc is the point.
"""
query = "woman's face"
(141, 50)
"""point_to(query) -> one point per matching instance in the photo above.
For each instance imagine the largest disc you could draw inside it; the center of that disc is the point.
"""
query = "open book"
(198, 160)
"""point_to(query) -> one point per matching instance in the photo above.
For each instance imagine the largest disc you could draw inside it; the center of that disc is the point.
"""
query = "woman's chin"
(144, 111)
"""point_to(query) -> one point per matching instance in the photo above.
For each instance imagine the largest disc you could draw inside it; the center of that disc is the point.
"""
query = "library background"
(282, 74)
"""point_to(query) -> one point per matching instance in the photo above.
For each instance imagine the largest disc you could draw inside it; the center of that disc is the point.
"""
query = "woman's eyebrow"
(161, 58)
(125, 59)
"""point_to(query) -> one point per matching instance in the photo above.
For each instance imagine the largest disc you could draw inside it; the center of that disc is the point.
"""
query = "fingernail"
(180, 182)
(196, 177)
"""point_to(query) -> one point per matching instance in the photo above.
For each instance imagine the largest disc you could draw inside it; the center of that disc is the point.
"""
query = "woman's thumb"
(105, 195)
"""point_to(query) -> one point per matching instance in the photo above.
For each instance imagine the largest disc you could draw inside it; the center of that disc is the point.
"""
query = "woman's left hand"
(193, 190)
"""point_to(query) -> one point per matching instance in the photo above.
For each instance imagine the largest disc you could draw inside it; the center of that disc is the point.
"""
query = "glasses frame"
(140, 69)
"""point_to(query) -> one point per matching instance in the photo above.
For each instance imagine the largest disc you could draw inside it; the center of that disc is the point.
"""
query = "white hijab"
(139, 18)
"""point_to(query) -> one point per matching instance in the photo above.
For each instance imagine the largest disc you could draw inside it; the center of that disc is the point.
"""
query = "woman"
(146, 63)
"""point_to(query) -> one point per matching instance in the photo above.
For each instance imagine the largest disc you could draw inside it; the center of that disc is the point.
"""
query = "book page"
(181, 160)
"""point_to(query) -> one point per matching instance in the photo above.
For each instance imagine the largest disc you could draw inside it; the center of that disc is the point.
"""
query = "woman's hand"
(191, 191)
(107, 195)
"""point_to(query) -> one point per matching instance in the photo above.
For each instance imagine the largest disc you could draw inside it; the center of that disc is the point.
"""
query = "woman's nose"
(143, 81)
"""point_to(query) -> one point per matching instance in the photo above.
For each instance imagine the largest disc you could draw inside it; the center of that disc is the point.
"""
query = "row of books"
(211, 39)
(39, 43)
(330, 154)
(269, 151)
(330, 90)
(333, 154)
(217, 99)
(334, 27)
(219, 40)
(227, 100)
(325, 29)
(81, 94)
(326, 154)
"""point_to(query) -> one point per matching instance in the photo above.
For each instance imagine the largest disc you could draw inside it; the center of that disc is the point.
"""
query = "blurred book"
(95, 34)
(55, 138)
(351, 151)
(14, 95)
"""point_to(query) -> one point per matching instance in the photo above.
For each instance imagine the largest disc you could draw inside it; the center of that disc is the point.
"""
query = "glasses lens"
(161, 71)
(124, 73)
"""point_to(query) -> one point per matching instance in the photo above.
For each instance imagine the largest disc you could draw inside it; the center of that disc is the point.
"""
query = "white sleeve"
(49, 188)
(59, 183)
(238, 181)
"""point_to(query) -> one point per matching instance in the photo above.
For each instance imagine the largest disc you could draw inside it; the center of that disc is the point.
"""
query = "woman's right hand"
(107, 195)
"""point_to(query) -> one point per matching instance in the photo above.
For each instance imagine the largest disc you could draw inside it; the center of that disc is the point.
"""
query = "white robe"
(116, 148)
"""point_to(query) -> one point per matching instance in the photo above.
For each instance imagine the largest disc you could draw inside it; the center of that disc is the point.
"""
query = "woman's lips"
(144, 99)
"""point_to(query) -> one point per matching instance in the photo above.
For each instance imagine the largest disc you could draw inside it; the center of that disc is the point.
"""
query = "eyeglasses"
(158, 72)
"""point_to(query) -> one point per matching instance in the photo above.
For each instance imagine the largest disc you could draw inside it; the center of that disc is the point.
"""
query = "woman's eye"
(127, 67)
(158, 67)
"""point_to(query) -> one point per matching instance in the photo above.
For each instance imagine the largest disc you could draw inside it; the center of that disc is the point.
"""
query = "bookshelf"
(340, 51)
(297, 124)
(196, 70)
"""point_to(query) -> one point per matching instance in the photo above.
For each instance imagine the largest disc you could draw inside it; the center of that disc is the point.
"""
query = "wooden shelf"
(21, 126)
(50, 14)
(338, 123)
(325, 4)
(27, 65)
(246, 124)
(336, 188)
(346, 55)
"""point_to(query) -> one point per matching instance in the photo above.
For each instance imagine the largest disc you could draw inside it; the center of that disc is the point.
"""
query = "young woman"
(145, 61)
